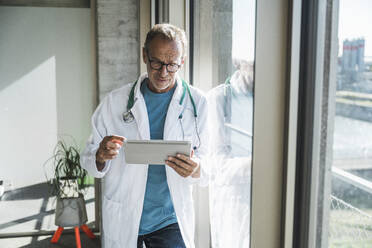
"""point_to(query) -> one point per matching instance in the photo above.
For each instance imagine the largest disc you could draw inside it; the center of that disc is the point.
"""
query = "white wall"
(46, 86)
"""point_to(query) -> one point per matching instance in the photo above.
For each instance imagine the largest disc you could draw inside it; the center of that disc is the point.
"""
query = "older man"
(150, 204)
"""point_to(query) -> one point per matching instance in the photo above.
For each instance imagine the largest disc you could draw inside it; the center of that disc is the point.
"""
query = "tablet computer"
(153, 151)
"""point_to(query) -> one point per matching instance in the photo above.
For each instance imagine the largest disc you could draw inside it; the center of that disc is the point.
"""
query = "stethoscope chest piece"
(128, 116)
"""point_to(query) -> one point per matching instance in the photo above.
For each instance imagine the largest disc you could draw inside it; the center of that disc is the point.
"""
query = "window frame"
(315, 121)
(270, 123)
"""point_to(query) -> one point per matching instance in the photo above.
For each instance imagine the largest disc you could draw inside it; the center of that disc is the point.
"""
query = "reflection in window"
(231, 113)
(224, 53)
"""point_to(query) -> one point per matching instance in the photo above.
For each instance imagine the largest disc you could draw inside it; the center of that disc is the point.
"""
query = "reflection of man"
(231, 108)
(149, 204)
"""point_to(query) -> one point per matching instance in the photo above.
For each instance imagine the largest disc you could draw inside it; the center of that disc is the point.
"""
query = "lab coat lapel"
(139, 111)
(174, 111)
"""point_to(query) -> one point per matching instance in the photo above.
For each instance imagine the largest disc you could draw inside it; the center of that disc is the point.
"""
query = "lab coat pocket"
(112, 219)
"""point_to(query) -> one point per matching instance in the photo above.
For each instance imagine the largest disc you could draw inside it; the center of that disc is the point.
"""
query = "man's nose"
(163, 70)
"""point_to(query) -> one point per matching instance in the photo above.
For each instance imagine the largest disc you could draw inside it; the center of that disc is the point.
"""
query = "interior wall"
(47, 86)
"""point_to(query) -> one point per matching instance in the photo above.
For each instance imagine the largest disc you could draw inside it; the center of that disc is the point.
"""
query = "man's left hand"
(184, 165)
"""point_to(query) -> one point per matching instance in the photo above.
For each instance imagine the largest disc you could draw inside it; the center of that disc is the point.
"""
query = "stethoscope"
(227, 97)
(128, 116)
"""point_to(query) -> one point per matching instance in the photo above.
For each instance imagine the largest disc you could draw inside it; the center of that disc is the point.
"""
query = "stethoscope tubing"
(128, 116)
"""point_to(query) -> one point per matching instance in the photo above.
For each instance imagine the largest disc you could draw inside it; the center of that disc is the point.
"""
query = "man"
(150, 204)
(231, 110)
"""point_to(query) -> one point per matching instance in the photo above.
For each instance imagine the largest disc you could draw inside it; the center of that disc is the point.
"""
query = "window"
(223, 58)
(334, 146)
(350, 218)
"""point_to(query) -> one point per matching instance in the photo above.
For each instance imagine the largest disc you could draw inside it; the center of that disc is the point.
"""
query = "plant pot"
(71, 212)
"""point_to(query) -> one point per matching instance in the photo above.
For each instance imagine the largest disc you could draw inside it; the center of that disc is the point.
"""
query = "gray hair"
(168, 32)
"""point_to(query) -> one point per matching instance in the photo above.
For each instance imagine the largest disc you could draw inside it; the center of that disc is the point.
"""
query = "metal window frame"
(192, 12)
(317, 70)
(290, 130)
(269, 138)
(309, 97)
(146, 20)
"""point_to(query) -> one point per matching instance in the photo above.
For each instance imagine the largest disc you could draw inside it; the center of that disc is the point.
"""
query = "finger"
(117, 139)
(111, 152)
(186, 159)
(103, 154)
(107, 154)
(119, 142)
(181, 171)
(112, 145)
(188, 167)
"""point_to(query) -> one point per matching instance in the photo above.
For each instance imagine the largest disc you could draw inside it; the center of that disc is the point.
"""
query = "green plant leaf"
(66, 161)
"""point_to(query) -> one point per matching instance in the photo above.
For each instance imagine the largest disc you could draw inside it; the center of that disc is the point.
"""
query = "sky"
(244, 29)
(355, 21)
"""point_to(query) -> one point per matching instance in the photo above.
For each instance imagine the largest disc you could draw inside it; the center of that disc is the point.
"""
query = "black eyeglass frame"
(162, 64)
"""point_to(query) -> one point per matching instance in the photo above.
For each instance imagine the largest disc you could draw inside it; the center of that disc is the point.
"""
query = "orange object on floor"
(84, 227)
(87, 231)
(57, 235)
(77, 237)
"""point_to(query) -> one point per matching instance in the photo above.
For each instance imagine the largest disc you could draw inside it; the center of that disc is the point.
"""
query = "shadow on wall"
(36, 191)
(33, 192)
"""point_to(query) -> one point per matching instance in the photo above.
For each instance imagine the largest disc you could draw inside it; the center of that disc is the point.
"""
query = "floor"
(66, 241)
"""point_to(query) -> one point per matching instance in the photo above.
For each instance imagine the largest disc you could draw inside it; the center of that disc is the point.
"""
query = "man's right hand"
(108, 149)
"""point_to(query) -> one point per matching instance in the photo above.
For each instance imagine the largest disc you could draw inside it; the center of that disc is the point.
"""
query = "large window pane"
(223, 67)
(350, 222)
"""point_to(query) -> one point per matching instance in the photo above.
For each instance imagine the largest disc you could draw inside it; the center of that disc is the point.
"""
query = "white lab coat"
(230, 162)
(124, 184)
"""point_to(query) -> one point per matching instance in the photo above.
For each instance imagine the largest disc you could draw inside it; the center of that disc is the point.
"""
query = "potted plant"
(68, 183)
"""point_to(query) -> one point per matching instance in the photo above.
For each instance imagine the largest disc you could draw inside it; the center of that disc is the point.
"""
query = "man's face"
(166, 52)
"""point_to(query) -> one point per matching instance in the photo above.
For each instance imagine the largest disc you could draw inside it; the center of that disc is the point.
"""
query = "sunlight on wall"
(28, 121)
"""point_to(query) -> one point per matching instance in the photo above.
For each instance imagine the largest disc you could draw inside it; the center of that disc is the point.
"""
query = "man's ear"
(144, 55)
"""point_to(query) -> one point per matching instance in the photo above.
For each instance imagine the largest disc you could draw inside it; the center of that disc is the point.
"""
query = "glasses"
(158, 65)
